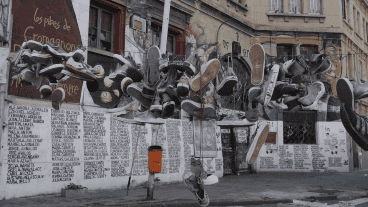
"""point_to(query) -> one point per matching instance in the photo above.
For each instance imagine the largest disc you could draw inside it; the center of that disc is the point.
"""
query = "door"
(228, 151)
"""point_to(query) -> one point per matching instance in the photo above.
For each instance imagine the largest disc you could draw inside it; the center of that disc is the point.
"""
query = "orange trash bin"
(154, 158)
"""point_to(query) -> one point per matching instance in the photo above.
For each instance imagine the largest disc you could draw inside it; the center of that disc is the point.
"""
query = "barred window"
(296, 6)
(300, 127)
(276, 6)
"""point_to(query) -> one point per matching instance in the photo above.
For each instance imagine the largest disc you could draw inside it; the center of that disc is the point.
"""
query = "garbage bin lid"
(155, 147)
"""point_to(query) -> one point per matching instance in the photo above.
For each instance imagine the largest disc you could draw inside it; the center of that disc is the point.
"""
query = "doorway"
(228, 150)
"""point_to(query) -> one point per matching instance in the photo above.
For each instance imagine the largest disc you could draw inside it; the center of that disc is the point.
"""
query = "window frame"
(319, 10)
(99, 23)
(281, 6)
(343, 10)
(295, 7)
(158, 28)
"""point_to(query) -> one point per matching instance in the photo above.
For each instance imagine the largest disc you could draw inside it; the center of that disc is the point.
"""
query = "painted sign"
(46, 21)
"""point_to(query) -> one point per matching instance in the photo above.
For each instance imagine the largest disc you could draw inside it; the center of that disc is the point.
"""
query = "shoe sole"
(361, 140)
(319, 70)
(314, 105)
(211, 72)
(46, 92)
(257, 143)
(53, 69)
(57, 98)
(227, 85)
(194, 109)
(257, 59)
(80, 74)
(35, 45)
(134, 91)
(153, 71)
(40, 59)
(168, 109)
(345, 93)
(275, 72)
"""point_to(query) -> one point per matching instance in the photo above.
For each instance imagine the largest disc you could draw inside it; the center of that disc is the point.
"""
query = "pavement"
(235, 190)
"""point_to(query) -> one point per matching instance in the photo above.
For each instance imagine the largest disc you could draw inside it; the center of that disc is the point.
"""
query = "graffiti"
(226, 44)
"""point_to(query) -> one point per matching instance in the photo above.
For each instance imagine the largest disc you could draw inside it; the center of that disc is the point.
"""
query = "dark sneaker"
(209, 71)
(121, 60)
(26, 56)
(61, 77)
(345, 92)
(228, 80)
(70, 74)
(173, 94)
(30, 77)
(156, 106)
(134, 73)
(315, 92)
(333, 109)
(189, 68)
(268, 86)
(46, 92)
(54, 50)
(295, 68)
(124, 85)
(21, 66)
(253, 93)
(118, 75)
(195, 185)
(319, 63)
(34, 45)
(168, 106)
(80, 69)
(77, 54)
(252, 115)
(153, 71)
(260, 137)
(135, 90)
(283, 88)
(257, 59)
(350, 119)
(57, 98)
(148, 91)
(360, 89)
(292, 102)
(183, 86)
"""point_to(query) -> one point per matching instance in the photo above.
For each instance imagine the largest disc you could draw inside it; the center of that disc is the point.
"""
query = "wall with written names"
(330, 152)
(50, 148)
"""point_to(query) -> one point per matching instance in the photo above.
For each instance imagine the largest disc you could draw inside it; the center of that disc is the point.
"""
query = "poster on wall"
(45, 21)
(205, 145)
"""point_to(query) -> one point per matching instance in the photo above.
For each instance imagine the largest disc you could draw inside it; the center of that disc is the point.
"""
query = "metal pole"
(135, 153)
(165, 27)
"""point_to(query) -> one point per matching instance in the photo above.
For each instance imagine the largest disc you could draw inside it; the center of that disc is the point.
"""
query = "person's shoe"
(70, 74)
(183, 86)
(57, 98)
(168, 106)
(228, 80)
(135, 90)
(345, 92)
(61, 77)
(209, 71)
(292, 102)
(153, 71)
(80, 69)
(192, 104)
(30, 77)
(283, 88)
(34, 45)
(52, 70)
(173, 94)
(268, 86)
(319, 63)
(315, 92)
(118, 75)
(40, 57)
(258, 141)
(189, 68)
(253, 93)
(77, 54)
(360, 89)
(22, 66)
(350, 121)
(295, 68)
(45, 92)
(121, 60)
(156, 106)
(124, 85)
(257, 59)
(54, 50)
(148, 91)
(134, 73)
(333, 109)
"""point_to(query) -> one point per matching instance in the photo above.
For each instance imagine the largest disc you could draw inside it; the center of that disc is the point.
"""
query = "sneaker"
(228, 80)
(135, 90)
(108, 82)
(360, 89)
(209, 71)
(30, 77)
(153, 71)
(168, 106)
(252, 115)
(295, 68)
(192, 105)
(350, 119)
(319, 63)
(134, 73)
(61, 77)
(21, 66)
(40, 57)
(183, 86)
(292, 102)
(118, 75)
(121, 60)
(52, 70)
(268, 86)
(77, 54)
(26, 56)
(257, 59)
(57, 98)
(189, 68)
(46, 92)
(260, 137)
(345, 92)
(283, 88)
(34, 45)
(333, 109)
(315, 92)
(148, 91)
(80, 69)
(156, 106)
(173, 94)
(67, 73)
(54, 50)
(253, 93)
(124, 85)
(99, 71)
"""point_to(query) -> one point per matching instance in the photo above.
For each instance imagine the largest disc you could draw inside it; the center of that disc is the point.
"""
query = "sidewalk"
(248, 189)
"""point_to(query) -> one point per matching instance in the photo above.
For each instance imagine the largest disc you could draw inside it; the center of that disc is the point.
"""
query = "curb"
(190, 203)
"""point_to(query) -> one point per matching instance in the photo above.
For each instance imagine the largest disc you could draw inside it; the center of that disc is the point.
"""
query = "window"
(276, 6)
(299, 127)
(284, 51)
(315, 7)
(366, 29)
(296, 6)
(360, 70)
(350, 66)
(4, 11)
(343, 10)
(358, 23)
(156, 39)
(100, 33)
(354, 18)
(348, 13)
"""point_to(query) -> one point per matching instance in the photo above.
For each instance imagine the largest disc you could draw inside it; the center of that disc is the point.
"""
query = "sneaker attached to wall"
(315, 92)
(257, 59)
(209, 71)
(228, 80)
(345, 92)
(57, 98)
(46, 92)
(135, 90)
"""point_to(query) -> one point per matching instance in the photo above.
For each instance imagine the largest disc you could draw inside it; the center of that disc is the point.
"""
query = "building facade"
(87, 142)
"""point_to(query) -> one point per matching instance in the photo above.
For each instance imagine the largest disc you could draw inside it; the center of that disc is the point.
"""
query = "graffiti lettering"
(38, 20)
(245, 53)
(226, 44)
(46, 21)
(237, 36)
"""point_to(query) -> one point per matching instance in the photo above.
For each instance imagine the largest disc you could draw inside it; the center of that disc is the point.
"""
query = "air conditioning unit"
(138, 23)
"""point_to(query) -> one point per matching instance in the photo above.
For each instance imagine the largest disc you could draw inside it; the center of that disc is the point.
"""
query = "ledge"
(238, 7)
(348, 24)
(235, 123)
(141, 120)
(101, 52)
(358, 35)
(287, 16)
